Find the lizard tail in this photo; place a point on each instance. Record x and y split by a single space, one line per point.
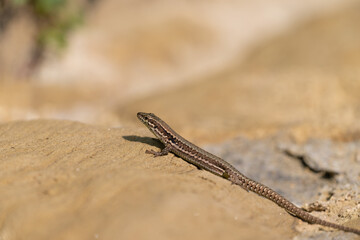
315 220
288 206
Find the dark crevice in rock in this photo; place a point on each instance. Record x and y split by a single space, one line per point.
325 174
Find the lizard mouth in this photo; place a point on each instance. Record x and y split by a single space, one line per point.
142 116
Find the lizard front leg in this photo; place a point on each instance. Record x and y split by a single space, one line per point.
163 152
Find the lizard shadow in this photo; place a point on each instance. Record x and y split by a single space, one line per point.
147 140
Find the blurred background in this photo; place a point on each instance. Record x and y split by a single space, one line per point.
228 66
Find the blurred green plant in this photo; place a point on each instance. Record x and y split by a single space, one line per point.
54 20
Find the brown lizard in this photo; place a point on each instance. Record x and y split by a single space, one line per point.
199 157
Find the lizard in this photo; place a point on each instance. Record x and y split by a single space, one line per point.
197 156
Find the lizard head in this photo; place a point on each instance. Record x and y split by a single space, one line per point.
157 126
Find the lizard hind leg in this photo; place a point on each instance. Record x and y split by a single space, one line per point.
235 180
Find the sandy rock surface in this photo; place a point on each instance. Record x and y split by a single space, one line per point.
67 180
